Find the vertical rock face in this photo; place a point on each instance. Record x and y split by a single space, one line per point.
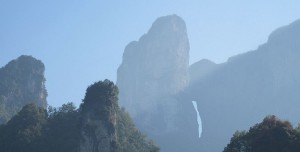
153 70
99 118
107 128
22 82
250 86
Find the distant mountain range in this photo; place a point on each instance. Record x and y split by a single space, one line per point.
250 86
157 86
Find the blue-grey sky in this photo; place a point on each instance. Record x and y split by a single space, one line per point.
81 42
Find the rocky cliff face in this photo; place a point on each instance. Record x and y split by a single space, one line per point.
107 128
153 70
231 96
99 118
22 82
250 86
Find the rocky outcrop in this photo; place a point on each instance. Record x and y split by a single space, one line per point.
99 125
22 82
107 128
99 118
153 70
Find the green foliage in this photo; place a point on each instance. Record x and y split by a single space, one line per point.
4 114
21 82
101 105
62 132
297 128
23 131
271 135
101 102
98 120
131 139
238 143
102 94
34 129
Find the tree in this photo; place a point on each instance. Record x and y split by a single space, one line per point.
271 134
24 130
102 94
109 127
62 132
60 129
130 139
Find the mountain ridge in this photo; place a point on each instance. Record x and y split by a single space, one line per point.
260 82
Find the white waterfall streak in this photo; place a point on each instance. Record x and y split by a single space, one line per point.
198 117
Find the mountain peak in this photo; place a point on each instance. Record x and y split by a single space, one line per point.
168 23
161 54
201 69
22 81
153 70
286 34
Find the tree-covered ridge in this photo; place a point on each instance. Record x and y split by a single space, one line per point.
99 118
271 135
22 82
61 129
34 129
106 127
62 132
23 131
130 139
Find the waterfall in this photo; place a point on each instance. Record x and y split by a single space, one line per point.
198 118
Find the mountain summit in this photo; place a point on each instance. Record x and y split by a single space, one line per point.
153 71
22 82
155 67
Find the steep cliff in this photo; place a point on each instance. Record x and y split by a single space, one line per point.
22 82
250 86
107 128
154 75
153 70
99 118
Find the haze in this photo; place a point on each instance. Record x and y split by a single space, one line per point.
81 42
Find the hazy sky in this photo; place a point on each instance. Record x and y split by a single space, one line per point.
81 42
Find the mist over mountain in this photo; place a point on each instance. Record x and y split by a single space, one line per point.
157 87
201 69
153 72
22 82
154 69
250 86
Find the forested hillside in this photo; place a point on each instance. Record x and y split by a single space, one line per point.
76 130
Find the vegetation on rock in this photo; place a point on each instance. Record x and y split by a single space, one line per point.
22 82
61 129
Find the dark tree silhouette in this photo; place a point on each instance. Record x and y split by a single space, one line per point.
271 134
